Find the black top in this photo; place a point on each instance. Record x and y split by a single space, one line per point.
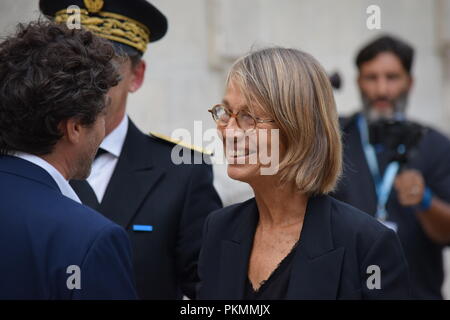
356 187
338 249
276 286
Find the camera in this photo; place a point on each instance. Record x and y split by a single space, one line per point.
399 137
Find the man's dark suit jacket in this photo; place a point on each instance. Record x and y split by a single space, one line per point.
148 188
337 245
43 233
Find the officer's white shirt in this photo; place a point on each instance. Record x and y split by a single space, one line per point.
62 183
103 167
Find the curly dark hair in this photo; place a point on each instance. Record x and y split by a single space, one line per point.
48 74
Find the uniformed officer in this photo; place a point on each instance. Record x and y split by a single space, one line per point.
134 181
395 169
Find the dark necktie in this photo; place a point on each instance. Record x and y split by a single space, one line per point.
84 190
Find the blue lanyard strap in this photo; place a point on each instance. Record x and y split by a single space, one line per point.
383 185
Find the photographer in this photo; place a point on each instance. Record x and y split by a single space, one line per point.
395 169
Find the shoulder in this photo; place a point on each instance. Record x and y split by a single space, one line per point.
44 214
79 214
76 220
370 246
165 151
351 225
172 142
180 153
353 218
345 219
54 214
42 205
435 140
433 153
86 235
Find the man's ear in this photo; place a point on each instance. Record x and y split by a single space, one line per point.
138 76
71 129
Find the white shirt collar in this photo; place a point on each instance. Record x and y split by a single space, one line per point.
62 183
114 141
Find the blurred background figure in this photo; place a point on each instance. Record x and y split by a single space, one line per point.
187 69
134 180
398 170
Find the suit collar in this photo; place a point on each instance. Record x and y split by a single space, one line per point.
27 169
62 183
133 178
316 264
134 156
245 231
317 217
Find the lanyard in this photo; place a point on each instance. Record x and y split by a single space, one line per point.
383 185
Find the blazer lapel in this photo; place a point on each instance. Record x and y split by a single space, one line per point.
132 180
316 278
317 264
235 255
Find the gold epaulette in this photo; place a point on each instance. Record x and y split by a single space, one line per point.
180 143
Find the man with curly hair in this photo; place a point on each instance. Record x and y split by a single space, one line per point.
53 85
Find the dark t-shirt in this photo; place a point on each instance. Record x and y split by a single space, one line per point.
356 187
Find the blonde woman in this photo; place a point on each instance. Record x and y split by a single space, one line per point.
291 241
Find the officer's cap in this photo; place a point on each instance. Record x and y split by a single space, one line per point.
130 23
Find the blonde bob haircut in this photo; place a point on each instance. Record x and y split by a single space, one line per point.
293 89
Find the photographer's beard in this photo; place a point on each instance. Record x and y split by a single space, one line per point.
396 110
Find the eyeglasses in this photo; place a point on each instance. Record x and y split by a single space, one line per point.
222 115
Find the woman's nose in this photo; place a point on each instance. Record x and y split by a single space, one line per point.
232 130
232 124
